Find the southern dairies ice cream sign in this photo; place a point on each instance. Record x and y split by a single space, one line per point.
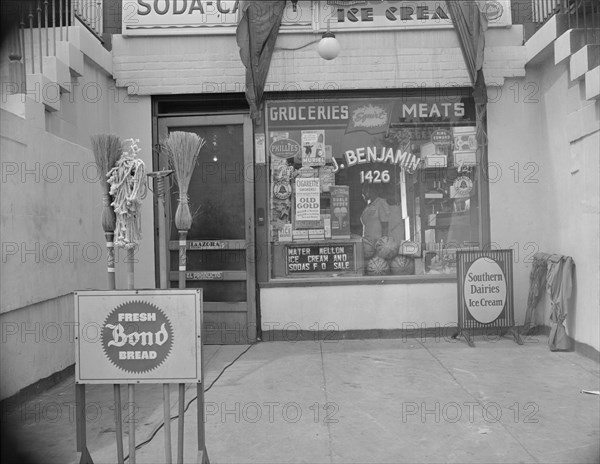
138 336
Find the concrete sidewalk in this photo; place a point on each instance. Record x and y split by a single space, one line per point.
351 401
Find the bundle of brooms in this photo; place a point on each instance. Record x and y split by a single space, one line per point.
107 150
182 149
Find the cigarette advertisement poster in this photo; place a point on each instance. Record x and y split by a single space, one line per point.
308 199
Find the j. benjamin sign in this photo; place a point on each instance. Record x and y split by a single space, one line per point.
144 336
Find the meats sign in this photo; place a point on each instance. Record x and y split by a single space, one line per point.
143 336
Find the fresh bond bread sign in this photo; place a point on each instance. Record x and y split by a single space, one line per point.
141 336
137 336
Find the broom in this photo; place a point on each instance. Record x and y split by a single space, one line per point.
182 149
107 150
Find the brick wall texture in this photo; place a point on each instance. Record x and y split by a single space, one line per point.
368 60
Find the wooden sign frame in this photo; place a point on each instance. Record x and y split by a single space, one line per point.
161 330
485 296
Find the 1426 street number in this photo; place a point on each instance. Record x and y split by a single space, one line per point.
375 177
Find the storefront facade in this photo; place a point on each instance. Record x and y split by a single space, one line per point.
379 142
286 220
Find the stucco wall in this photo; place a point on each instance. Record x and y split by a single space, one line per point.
50 210
570 127
544 176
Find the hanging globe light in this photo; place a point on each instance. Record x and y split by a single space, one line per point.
328 47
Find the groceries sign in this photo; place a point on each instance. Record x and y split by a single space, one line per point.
182 17
145 336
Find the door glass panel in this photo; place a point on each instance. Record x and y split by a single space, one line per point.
216 190
217 203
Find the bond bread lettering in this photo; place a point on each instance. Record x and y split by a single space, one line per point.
137 336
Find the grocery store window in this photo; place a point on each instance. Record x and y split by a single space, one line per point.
372 186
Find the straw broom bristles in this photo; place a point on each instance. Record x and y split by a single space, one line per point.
107 150
182 149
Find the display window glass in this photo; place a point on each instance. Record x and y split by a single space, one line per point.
372 186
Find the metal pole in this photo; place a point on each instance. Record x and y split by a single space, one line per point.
39 25
46 27
31 37
23 77
54 26
60 18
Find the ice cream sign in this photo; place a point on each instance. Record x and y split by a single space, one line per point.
485 290
143 336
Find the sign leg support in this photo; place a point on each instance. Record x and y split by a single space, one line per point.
81 425
118 423
180 423
131 419
468 339
167 421
202 453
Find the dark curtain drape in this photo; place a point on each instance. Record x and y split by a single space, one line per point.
256 35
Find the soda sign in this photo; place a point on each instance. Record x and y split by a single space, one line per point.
143 336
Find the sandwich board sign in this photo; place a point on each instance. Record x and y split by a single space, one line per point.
138 336
485 292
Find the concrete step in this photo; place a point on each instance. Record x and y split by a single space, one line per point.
42 90
582 61
567 44
592 83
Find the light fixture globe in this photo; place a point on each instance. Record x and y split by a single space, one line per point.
328 47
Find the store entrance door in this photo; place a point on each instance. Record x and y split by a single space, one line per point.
220 257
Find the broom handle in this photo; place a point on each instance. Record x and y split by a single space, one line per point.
182 257
110 259
162 262
131 387
130 268
182 269
110 262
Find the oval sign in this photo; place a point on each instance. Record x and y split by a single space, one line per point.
485 290
441 137
285 148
